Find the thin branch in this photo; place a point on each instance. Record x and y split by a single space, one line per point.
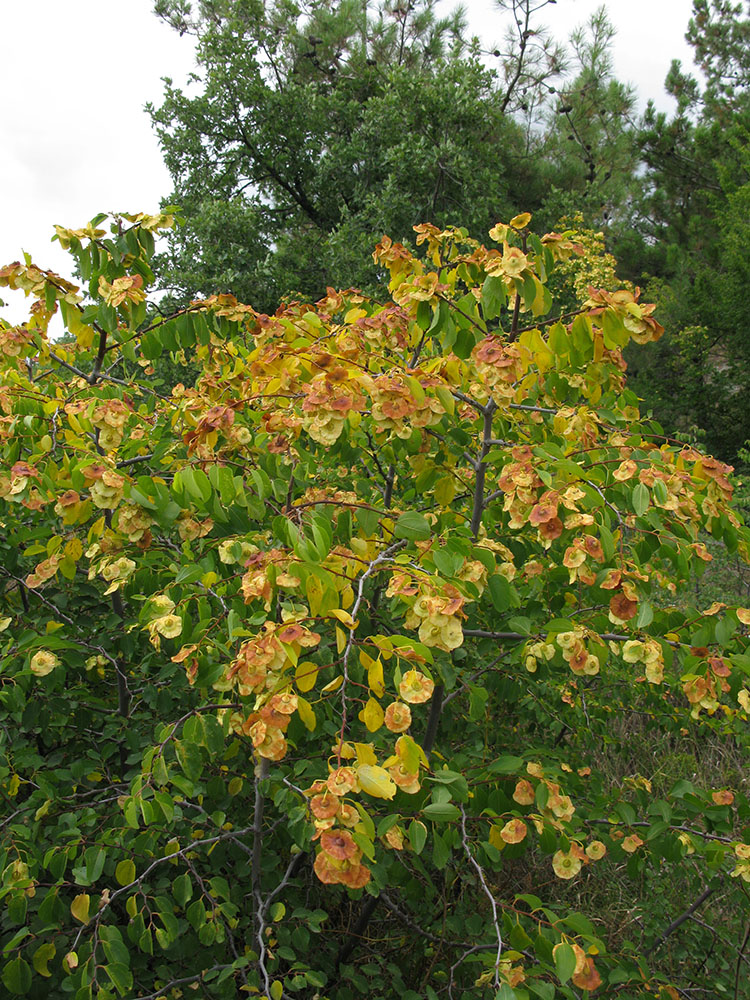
478 868
679 921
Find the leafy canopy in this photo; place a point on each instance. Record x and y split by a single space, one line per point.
310 671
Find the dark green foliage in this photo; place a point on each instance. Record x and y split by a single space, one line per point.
314 134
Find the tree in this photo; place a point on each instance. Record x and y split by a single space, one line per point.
319 127
341 672
590 140
697 168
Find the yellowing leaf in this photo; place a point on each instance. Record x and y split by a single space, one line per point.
80 907
365 754
314 592
44 954
43 809
125 872
375 679
445 490
372 715
341 640
74 549
277 989
521 221
305 712
306 675
347 597
344 617
332 685
376 781
495 839
744 615
70 961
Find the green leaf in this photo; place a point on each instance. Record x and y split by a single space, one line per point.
182 889
640 499
189 758
441 812
17 977
441 852
506 765
413 526
565 962
500 592
506 992
417 835
121 977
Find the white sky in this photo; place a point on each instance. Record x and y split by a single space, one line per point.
76 74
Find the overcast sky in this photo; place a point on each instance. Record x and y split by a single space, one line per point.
76 74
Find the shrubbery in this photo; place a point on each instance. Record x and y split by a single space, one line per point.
336 674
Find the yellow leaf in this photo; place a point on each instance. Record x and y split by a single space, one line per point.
495 839
372 715
306 675
70 961
364 658
344 617
341 640
80 907
305 712
332 685
4 623
365 754
376 781
51 627
74 549
521 221
347 597
314 591
375 679
277 989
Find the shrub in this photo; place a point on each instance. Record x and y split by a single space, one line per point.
332 674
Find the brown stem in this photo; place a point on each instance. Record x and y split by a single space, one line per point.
481 468
94 376
678 921
123 691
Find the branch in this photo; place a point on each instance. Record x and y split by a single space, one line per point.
481 468
708 891
478 868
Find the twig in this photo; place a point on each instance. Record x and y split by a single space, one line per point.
679 921
478 868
